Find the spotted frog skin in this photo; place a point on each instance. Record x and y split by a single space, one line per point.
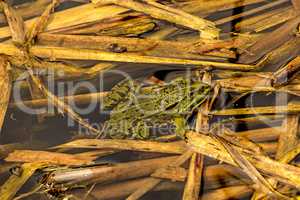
136 109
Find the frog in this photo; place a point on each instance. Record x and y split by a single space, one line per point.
135 109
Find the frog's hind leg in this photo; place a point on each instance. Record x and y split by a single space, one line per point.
114 130
180 126
141 130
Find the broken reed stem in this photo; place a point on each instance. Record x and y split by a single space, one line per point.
15 23
290 108
233 192
193 183
212 175
149 185
123 189
250 12
146 46
28 9
152 182
208 146
84 14
88 54
5 85
9 189
162 147
133 145
110 173
162 12
287 141
41 23
76 99
287 73
54 158
263 45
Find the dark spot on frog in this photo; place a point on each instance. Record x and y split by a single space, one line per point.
116 48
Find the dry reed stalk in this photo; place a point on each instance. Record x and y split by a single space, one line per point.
145 46
38 27
287 73
280 56
5 85
193 183
205 8
287 141
263 45
9 189
29 156
133 145
212 176
77 99
261 184
84 14
119 25
55 53
110 173
268 20
250 12
171 173
288 138
153 182
28 9
208 146
15 23
262 134
159 11
41 22
123 189
289 108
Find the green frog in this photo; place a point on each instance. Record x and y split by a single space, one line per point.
136 109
